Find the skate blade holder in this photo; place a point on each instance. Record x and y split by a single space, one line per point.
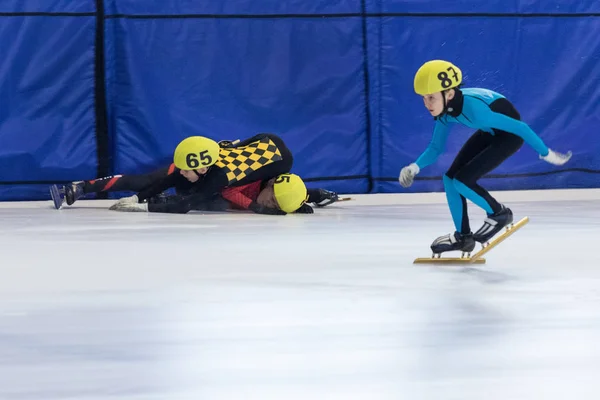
329 201
465 258
507 232
477 257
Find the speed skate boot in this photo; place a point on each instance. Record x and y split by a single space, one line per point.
73 192
493 224
325 198
452 242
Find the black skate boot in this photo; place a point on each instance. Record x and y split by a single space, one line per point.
452 242
73 192
493 224
326 198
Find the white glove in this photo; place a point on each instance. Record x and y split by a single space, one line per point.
407 175
556 158
130 207
125 200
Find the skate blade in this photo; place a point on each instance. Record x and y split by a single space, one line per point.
508 231
325 204
56 198
449 260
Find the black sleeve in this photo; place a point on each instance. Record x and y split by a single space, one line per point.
178 206
305 209
213 183
160 186
257 208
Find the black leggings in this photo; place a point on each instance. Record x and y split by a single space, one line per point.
481 154
136 183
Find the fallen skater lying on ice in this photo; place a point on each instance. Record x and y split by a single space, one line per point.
209 176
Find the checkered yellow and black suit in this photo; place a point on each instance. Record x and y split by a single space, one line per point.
241 162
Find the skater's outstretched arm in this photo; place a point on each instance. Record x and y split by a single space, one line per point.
482 113
436 146
211 185
429 156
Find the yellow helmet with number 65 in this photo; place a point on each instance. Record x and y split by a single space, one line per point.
290 192
196 152
436 76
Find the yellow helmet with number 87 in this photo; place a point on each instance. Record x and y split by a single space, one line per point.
196 152
436 76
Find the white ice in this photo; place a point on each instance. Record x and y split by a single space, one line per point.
99 305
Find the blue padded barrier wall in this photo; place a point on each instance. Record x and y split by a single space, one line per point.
548 66
519 8
332 77
47 124
177 74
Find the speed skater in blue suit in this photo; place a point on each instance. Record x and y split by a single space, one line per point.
500 133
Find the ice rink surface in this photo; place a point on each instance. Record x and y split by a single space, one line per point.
99 305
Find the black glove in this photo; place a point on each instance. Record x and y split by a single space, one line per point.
305 209
257 208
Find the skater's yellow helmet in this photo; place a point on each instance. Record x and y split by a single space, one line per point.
196 152
436 76
290 192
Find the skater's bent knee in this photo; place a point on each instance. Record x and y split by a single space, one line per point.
465 177
447 180
453 171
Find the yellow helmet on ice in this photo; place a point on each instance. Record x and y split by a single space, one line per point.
196 152
436 76
290 192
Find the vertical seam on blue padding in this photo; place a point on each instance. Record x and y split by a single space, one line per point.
379 86
102 140
367 90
